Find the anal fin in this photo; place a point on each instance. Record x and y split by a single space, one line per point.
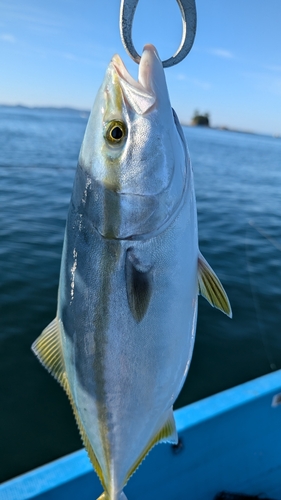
167 434
211 288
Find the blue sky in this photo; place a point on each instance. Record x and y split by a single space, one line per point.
55 52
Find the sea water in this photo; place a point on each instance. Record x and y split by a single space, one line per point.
238 190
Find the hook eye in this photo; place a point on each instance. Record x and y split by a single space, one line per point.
188 13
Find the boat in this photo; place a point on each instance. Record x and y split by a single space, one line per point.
229 446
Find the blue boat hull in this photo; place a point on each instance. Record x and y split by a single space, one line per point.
229 442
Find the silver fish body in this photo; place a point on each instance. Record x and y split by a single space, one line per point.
122 341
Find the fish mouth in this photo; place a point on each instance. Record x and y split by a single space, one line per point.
141 93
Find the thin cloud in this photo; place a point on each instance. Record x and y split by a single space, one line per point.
266 81
33 18
84 60
223 53
275 86
198 83
7 37
70 57
275 68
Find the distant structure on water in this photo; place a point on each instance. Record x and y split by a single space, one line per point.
200 120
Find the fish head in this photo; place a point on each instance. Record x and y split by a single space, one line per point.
132 154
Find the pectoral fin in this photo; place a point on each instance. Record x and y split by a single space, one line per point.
139 286
211 288
167 434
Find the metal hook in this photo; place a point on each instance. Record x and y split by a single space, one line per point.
188 13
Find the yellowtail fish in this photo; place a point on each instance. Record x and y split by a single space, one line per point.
122 340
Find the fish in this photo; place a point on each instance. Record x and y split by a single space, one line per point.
131 271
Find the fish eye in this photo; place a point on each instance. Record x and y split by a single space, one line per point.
115 132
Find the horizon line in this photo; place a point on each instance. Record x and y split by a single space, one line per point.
183 122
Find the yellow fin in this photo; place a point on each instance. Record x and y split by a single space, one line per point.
167 434
49 352
211 288
105 496
84 436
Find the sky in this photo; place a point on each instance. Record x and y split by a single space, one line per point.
55 53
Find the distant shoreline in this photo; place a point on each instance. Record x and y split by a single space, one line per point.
223 128
46 108
183 123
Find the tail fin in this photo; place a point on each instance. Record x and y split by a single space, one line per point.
119 496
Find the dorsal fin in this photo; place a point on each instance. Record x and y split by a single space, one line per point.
49 352
84 437
211 288
139 286
167 434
